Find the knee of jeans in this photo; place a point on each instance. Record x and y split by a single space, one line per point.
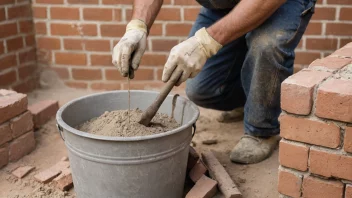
196 94
268 45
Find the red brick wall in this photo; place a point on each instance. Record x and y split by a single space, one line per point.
75 38
17 46
316 150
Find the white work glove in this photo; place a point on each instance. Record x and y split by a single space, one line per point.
188 58
128 52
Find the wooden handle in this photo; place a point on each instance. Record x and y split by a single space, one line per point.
150 112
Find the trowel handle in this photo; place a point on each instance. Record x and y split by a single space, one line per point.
150 112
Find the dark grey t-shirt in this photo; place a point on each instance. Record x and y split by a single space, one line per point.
218 4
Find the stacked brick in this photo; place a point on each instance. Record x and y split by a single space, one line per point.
17 46
78 43
316 125
16 127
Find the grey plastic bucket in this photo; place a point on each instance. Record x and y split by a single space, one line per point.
151 166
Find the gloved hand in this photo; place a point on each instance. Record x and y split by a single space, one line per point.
129 50
190 56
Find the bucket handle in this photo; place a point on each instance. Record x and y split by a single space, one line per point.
194 129
61 130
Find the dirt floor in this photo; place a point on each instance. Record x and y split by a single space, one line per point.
255 181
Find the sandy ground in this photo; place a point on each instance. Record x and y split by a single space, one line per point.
255 181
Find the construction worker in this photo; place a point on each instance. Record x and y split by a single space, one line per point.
237 55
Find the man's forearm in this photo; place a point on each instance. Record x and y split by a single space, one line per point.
246 16
146 10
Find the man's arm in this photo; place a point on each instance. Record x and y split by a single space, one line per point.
146 10
246 16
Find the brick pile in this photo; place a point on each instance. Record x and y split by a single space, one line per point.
17 46
77 44
316 125
16 127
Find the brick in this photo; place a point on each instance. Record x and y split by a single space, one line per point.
30 40
301 87
289 184
4 155
26 26
333 98
348 140
48 43
169 14
97 14
185 2
193 158
27 71
348 193
14 44
27 85
39 12
190 14
305 58
2 48
117 15
178 29
101 60
347 52
330 164
333 63
74 44
112 30
61 72
204 188
22 171
324 13
197 171
77 85
5 133
86 74
69 58
115 2
105 86
64 13
21 124
4 2
338 29
341 2
293 155
47 176
7 30
21 146
64 181
73 29
345 14
11 104
8 61
43 111
40 28
163 44
314 29
314 187
50 1
321 44
8 78
83 2
113 74
2 14
21 11
97 45
144 74
153 60
310 131
28 56
345 41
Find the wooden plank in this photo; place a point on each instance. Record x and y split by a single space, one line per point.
227 187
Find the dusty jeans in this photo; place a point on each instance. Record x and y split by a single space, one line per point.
248 71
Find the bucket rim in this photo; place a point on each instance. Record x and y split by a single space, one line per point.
70 129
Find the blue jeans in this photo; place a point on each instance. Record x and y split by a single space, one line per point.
249 71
